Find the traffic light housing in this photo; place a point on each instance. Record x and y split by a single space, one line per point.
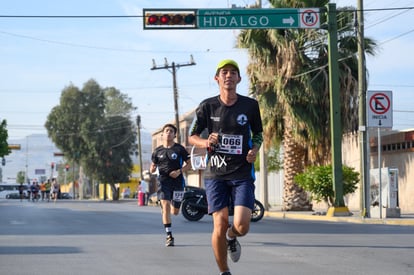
14 146
67 167
169 19
3 161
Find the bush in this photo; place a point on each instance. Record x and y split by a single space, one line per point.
317 180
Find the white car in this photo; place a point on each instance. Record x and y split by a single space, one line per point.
3 194
8 188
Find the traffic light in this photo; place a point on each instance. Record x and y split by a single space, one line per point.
67 167
52 165
169 19
3 161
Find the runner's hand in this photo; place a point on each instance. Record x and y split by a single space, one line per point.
251 155
174 174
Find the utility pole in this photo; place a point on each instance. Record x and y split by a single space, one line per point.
26 165
139 146
339 208
173 69
363 130
264 186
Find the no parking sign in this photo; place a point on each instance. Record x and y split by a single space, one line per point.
379 109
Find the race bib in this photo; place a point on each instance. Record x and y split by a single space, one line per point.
231 144
178 196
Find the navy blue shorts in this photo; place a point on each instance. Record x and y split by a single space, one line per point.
219 193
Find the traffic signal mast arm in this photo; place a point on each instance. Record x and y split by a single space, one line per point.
235 18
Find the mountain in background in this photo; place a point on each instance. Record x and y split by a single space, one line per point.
36 155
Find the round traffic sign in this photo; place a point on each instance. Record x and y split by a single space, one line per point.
309 18
379 103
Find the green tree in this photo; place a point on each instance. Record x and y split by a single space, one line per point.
113 143
318 181
92 121
115 162
117 104
20 177
289 76
4 146
64 123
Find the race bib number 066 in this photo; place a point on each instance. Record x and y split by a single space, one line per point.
231 144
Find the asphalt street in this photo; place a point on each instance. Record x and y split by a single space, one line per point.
95 237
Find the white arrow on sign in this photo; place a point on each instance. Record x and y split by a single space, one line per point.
289 21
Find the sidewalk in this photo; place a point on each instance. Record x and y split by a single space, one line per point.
316 215
405 219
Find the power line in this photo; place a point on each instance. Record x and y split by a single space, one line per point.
142 16
69 44
405 9
71 16
396 37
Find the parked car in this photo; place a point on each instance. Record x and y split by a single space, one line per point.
9 188
14 195
4 194
65 196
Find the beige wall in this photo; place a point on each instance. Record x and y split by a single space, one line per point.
396 157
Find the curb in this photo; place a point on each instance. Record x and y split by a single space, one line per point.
351 219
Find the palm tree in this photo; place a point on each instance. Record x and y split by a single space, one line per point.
288 73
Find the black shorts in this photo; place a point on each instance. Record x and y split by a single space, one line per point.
166 191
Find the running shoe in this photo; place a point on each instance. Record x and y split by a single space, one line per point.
225 273
169 241
234 249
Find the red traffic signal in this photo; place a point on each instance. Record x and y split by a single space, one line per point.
164 19
153 19
67 167
169 19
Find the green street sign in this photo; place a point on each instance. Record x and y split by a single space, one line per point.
258 18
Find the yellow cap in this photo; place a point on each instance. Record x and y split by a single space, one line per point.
225 62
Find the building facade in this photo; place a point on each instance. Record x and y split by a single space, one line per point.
397 151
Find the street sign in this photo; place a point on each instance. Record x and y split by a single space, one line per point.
379 109
40 171
258 18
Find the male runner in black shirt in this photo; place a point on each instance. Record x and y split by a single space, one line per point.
235 131
172 160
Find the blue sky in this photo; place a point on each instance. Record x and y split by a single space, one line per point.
40 57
